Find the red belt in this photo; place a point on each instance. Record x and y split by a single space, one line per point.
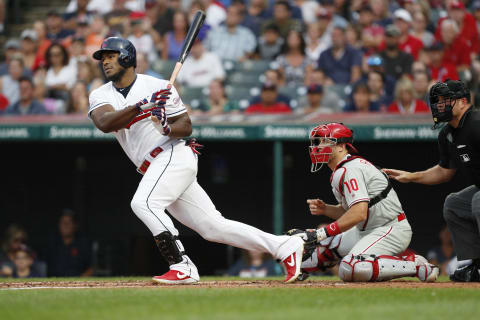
401 217
146 163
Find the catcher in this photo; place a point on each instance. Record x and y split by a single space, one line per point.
370 230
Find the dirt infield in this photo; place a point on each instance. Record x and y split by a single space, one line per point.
229 284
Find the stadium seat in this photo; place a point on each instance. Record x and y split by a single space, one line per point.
242 79
189 94
237 93
163 67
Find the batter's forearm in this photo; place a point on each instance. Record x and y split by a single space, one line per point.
180 128
116 120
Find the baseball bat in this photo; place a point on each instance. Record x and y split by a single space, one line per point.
188 43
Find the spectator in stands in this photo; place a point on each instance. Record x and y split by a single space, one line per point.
253 264
255 15
269 103
378 94
309 10
27 105
78 102
293 62
405 101
28 45
334 9
456 51
340 62
315 101
173 40
270 43
420 31
12 48
15 237
143 67
325 26
396 62
77 51
81 13
2 16
467 28
275 77
9 83
201 67
361 100
313 39
144 37
215 13
23 260
217 101
52 105
421 83
60 74
42 44
55 29
406 41
444 253
96 33
231 41
161 15
69 253
440 70
476 12
381 13
282 18
371 33
118 18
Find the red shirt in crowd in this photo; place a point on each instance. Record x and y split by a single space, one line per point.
418 106
444 72
412 45
278 107
469 32
457 53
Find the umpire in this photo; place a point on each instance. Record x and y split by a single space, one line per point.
459 148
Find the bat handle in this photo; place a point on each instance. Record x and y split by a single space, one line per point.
175 72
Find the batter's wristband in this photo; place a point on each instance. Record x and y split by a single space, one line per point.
332 229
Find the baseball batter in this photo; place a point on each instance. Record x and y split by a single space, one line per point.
149 120
370 228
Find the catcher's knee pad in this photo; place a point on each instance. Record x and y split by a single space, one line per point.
170 247
361 267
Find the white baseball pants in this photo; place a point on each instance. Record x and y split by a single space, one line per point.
170 183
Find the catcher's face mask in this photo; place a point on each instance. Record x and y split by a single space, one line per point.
321 148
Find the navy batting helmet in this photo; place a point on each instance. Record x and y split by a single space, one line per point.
127 54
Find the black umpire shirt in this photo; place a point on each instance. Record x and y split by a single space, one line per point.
460 147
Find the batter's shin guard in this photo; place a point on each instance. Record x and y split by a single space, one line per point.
167 244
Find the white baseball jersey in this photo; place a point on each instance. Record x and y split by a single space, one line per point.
142 136
358 180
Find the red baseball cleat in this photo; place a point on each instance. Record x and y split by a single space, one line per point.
292 264
174 277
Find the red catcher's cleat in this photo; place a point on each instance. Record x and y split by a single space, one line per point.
292 265
174 277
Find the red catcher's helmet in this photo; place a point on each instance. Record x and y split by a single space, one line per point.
323 138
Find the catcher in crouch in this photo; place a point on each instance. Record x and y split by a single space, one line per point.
370 230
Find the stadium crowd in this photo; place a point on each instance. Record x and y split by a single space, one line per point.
260 56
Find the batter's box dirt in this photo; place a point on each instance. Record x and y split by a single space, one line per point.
229 284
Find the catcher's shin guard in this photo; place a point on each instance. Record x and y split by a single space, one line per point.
366 267
170 247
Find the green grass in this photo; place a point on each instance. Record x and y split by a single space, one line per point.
240 303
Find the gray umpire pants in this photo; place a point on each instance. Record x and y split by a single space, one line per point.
462 214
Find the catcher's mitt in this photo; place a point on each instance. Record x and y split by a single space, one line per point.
310 238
